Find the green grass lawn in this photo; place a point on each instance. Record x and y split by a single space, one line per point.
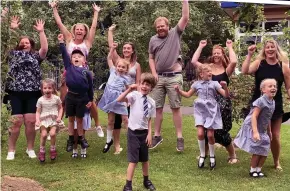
169 170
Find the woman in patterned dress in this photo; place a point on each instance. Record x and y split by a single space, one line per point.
23 85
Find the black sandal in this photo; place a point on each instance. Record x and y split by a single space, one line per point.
212 164
107 146
202 164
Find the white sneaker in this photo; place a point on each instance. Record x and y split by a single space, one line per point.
100 131
10 156
48 138
31 154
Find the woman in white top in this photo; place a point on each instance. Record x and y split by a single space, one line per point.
134 72
80 37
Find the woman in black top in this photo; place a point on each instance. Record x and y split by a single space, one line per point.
222 69
272 62
23 84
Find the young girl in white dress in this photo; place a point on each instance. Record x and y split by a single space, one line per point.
48 117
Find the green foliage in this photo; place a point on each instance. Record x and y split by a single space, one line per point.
135 24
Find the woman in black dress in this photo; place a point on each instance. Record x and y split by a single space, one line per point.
272 62
222 68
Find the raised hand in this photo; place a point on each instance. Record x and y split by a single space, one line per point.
60 37
96 7
112 27
115 45
229 43
39 25
251 49
133 87
4 12
15 22
53 4
202 43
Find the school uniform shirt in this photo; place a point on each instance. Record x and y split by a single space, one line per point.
137 120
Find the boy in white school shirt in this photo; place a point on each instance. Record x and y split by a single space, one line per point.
139 138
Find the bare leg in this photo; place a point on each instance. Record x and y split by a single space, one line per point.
43 136
145 168
275 143
261 162
177 120
116 135
158 121
29 121
255 161
80 126
210 136
94 114
71 121
14 131
52 134
130 171
232 153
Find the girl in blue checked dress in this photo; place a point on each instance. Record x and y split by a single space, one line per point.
117 82
206 110
255 134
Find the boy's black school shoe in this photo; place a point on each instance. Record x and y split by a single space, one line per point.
149 185
127 188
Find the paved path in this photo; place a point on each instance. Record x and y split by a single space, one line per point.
189 111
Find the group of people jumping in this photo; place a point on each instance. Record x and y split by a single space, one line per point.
35 103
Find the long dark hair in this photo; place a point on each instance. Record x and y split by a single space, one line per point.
32 44
133 58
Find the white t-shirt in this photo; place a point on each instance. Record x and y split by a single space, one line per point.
137 121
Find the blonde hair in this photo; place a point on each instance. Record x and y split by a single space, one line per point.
280 54
202 68
87 29
225 58
149 78
161 19
264 82
122 60
50 82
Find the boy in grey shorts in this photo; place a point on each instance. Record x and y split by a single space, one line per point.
139 138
